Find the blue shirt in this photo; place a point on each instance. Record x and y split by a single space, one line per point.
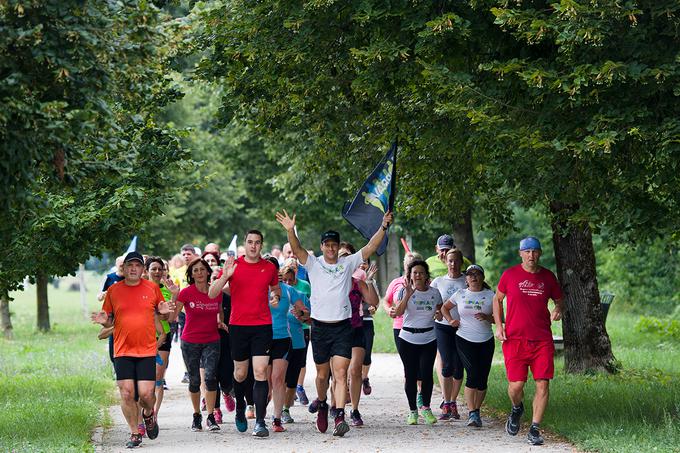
297 336
302 273
288 298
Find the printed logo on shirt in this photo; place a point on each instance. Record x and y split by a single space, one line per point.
424 304
203 305
532 288
334 271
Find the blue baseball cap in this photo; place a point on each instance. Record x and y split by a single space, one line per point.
529 243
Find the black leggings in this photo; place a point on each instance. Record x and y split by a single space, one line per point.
446 345
418 360
369 334
296 358
225 368
476 358
197 354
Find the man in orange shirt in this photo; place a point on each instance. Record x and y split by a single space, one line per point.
129 307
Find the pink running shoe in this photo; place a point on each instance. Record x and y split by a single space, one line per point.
229 402
141 428
218 415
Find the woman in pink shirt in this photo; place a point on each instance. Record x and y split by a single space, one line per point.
200 338
392 290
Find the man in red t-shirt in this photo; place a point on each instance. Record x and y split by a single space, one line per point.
129 307
526 336
251 282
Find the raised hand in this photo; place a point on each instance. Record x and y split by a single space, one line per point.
171 285
370 273
388 218
229 267
285 220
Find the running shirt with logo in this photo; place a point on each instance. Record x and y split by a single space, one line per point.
249 287
297 336
289 296
447 287
202 315
331 284
392 290
419 314
469 303
527 316
133 309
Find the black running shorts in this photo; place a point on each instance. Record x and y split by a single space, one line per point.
279 350
250 341
330 339
135 368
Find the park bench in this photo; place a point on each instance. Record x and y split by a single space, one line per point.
606 299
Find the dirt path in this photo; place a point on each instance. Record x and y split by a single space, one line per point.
384 413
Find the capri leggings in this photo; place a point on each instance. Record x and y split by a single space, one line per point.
225 369
296 358
369 334
197 354
418 360
446 345
476 358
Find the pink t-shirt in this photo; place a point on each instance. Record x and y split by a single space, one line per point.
527 316
202 315
392 290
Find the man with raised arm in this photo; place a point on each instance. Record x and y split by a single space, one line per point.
526 335
331 281
129 306
254 285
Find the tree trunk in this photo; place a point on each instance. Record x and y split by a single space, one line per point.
5 319
464 237
586 343
43 307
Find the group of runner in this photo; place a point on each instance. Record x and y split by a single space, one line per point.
248 323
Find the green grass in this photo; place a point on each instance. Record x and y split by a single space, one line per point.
54 386
635 410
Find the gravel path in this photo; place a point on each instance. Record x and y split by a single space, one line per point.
384 413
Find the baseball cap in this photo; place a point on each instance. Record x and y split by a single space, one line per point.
529 243
445 242
133 256
474 267
330 235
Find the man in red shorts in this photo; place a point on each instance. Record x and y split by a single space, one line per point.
129 307
526 336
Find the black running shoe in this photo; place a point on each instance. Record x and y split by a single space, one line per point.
512 425
196 425
135 440
211 424
534 436
150 425
260 430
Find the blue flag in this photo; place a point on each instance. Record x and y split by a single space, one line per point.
374 199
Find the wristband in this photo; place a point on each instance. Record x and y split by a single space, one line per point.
384 228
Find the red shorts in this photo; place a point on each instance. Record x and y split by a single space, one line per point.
520 355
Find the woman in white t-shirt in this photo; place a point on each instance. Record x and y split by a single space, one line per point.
449 366
475 340
418 302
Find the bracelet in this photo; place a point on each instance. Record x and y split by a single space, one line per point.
384 228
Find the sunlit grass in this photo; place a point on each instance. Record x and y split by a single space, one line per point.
55 386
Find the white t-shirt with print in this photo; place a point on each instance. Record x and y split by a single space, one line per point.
447 287
331 284
470 303
419 314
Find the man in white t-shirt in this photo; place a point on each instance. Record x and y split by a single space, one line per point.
331 336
